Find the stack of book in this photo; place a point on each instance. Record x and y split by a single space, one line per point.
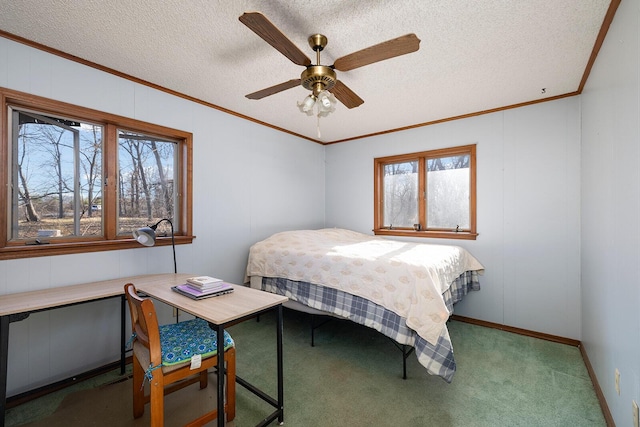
203 287
202 283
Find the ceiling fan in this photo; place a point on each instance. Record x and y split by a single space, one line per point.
318 78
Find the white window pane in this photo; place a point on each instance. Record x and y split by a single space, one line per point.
448 193
401 194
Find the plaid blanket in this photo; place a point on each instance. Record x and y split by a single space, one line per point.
437 359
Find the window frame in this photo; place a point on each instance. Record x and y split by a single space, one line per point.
110 240
378 210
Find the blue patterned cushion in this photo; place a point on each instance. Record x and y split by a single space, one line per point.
180 341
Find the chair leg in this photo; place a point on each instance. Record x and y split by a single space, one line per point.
138 392
156 401
230 356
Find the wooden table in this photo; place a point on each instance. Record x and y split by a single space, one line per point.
223 311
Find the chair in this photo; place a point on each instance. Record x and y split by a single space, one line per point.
168 371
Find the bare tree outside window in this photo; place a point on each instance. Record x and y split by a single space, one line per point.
56 177
79 180
146 187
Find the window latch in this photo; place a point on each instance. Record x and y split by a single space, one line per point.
37 242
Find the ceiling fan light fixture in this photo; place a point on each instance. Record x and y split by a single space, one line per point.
326 103
323 104
307 104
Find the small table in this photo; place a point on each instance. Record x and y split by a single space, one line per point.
221 312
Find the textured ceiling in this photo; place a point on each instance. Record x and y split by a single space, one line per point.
474 55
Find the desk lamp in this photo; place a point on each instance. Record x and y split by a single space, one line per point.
146 236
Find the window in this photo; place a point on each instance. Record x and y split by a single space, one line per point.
427 194
80 180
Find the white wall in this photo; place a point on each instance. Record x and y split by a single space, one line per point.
611 213
528 208
249 181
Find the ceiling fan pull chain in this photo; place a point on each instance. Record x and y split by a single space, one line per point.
318 126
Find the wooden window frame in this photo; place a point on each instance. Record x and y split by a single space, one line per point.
422 157
110 240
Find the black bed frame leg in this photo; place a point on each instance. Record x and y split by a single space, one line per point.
404 361
315 326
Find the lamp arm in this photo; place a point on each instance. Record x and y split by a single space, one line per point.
173 241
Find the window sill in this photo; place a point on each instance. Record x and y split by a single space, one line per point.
462 235
67 247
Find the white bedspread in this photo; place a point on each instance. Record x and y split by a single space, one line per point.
406 278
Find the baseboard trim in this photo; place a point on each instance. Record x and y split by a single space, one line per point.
554 338
603 403
526 332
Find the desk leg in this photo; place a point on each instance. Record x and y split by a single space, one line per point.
123 339
280 367
4 353
220 375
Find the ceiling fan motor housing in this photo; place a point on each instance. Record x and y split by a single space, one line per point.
318 78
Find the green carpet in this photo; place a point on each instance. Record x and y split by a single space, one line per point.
353 377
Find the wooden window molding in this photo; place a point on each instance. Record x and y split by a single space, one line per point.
11 248
419 162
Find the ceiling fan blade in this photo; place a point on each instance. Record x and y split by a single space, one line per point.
274 89
385 50
346 95
260 25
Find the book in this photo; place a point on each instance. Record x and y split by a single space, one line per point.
186 290
215 286
204 282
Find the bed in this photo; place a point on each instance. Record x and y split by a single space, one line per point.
404 290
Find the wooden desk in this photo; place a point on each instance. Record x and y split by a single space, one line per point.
224 311
18 306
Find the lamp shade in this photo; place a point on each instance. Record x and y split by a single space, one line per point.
306 106
326 103
146 236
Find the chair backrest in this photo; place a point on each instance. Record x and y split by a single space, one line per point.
144 322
